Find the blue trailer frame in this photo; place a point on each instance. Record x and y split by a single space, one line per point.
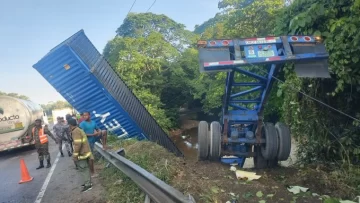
243 104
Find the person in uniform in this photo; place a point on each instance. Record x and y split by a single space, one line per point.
39 134
82 153
68 117
62 135
68 132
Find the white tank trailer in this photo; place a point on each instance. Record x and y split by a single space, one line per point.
17 117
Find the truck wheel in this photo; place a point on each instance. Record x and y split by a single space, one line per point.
215 141
32 147
259 160
203 140
283 133
269 150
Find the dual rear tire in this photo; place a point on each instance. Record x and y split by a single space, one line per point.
277 146
209 142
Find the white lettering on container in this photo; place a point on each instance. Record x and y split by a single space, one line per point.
103 116
112 125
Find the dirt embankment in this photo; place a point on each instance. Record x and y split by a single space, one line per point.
211 182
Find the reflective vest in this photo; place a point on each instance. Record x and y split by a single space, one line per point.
42 137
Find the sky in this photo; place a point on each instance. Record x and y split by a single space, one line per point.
30 28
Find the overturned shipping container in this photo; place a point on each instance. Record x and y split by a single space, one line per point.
86 80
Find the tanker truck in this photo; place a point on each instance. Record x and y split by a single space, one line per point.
17 117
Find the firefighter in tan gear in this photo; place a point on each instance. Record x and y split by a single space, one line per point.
81 154
39 134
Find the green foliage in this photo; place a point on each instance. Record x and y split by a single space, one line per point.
246 17
16 95
240 19
55 105
143 24
219 17
155 159
156 57
322 133
146 53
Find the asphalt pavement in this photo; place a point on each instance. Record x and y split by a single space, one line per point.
57 184
10 175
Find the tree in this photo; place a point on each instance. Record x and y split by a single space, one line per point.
219 18
239 19
55 105
324 134
248 18
16 95
143 24
145 56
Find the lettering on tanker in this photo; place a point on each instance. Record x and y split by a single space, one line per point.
9 118
110 125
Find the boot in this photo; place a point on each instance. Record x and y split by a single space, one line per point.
69 153
48 164
41 165
62 154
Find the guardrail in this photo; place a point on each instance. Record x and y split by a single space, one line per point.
155 189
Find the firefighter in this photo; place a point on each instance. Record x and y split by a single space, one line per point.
81 154
39 134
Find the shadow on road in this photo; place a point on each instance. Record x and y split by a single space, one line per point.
17 152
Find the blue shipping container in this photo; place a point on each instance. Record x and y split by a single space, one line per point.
86 80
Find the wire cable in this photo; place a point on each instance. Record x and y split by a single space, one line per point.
308 96
131 7
317 100
151 6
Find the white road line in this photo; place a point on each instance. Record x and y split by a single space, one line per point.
47 180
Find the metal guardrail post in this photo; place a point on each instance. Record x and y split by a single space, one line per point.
156 190
147 199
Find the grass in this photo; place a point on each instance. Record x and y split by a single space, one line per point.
151 157
211 182
341 180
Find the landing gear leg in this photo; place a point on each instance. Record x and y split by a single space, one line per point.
259 160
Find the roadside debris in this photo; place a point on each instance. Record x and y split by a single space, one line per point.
297 189
244 175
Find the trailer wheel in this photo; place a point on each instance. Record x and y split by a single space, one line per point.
259 160
203 140
215 141
269 150
32 147
283 133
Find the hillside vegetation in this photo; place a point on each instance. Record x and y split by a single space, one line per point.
157 57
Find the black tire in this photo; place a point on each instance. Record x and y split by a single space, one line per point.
32 147
259 160
269 150
215 141
284 137
203 140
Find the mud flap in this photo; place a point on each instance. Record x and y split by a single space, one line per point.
311 69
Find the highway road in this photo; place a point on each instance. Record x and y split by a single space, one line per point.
57 184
